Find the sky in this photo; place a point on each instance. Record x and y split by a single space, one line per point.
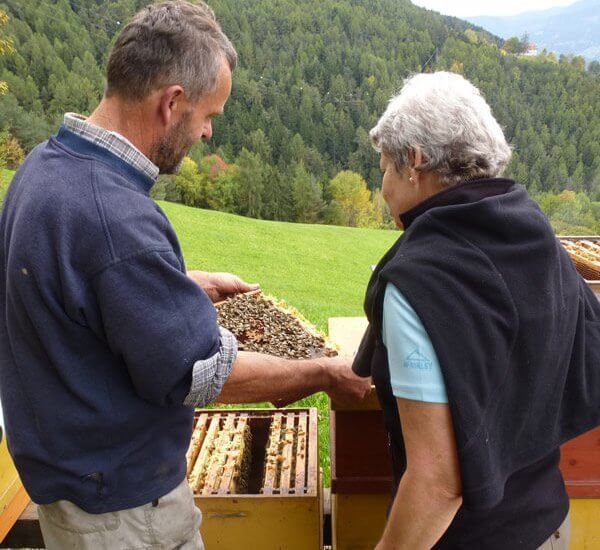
466 8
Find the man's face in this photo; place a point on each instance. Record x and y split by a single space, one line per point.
195 123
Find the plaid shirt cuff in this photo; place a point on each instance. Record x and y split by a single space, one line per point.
209 375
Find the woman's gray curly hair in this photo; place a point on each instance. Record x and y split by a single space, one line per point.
447 118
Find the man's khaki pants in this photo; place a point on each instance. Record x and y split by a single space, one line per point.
170 523
559 540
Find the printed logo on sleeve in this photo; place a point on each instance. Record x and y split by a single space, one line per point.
416 360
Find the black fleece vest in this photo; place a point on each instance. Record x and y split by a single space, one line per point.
517 334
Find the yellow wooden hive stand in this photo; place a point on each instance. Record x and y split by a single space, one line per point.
13 498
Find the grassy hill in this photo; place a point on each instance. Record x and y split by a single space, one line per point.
320 270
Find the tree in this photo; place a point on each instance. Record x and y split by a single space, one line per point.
594 68
312 82
382 211
350 191
249 184
6 46
165 189
220 191
190 183
11 153
513 45
308 196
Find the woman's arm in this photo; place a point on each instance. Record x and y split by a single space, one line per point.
429 494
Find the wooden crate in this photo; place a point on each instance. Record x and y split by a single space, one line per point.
279 511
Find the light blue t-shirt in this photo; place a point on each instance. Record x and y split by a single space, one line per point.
414 367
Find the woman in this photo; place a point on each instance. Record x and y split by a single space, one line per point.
484 342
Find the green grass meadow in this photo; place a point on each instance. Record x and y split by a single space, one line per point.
320 270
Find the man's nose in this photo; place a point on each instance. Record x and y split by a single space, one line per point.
207 132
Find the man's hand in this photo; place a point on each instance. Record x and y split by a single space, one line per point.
344 387
339 382
219 286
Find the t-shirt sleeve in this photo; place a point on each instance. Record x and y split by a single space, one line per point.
415 371
158 322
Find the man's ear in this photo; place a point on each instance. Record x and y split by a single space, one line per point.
171 106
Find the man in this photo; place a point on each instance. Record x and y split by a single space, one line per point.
105 344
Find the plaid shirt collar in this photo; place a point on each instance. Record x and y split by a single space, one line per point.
113 142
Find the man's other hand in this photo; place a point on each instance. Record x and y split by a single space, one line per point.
219 286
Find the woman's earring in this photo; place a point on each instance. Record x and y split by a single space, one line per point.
410 178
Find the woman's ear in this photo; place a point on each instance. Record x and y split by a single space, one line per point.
415 159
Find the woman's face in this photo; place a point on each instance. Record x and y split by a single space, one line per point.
398 191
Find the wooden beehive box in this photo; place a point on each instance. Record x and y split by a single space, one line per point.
585 255
361 471
281 506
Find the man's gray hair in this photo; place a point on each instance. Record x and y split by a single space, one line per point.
172 42
448 119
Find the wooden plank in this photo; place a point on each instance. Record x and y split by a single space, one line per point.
196 479
585 527
196 442
12 511
366 485
593 245
287 446
218 456
255 522
249 293
346 332
580 465
313 453
13 498
235 457
26 532
272 455
301 449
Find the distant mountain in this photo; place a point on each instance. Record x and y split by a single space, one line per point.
573 29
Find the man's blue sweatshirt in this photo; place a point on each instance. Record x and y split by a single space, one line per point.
99 330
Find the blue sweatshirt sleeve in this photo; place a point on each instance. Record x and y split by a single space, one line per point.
158 322
415 371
